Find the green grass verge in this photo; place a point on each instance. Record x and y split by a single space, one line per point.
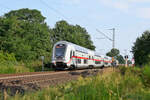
113 85
13 69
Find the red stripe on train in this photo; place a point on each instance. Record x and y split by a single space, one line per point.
87 59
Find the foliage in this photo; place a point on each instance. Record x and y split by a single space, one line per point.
145 75
120 59
109 86
75 34
8 64
13 69
129 62
141 49
26 15
24 33
116 53
7 59
142 73
36 66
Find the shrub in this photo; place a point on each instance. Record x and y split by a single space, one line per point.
7 59
13 69
122 69
146 75
8 64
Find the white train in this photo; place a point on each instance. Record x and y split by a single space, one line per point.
67 55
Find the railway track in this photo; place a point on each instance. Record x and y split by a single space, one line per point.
37 80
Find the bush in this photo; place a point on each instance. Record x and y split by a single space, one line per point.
146 75
122 69
7 59
36 66
8 64
13 69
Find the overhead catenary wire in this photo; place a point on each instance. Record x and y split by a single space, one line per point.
55 10
104 35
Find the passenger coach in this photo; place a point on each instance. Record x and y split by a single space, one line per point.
67 55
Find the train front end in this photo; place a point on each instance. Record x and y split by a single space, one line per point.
58 57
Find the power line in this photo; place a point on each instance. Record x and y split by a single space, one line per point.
104 35
113 38
100 38
55 10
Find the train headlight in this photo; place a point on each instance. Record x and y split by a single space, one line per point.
63 59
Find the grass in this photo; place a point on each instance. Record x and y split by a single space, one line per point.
9 64
10 68
122 84
13 69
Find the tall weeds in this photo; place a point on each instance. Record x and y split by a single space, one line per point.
109 86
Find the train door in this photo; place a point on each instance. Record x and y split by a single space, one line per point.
73 59
90 61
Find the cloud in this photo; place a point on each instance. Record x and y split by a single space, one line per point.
143 13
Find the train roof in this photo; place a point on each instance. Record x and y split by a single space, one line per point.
98 54
81 49
77 47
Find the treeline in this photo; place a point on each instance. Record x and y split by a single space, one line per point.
25 34
141 49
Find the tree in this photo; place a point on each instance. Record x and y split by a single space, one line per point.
26 14
141 49
24 33
120 59
116 53
75 34
129 62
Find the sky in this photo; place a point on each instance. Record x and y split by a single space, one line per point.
130 18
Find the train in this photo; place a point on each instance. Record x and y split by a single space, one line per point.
67 55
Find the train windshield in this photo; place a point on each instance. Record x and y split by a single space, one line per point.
60 50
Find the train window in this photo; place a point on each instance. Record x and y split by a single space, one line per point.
76 61
79 61
106 63
60 50
73 53
97 62
85 61
70 54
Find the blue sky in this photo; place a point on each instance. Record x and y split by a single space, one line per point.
130 17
